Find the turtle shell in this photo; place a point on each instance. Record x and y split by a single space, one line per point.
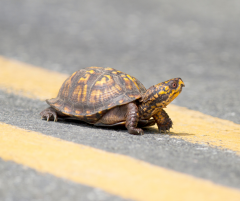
89 93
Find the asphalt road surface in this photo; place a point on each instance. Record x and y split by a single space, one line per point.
152 40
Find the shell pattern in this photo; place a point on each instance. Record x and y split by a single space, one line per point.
89 93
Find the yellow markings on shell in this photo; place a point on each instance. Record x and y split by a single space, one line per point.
83 80
79 116
65 90
133 80
134 96
108 68
118 87
73 75
121 101
110 80
95 94
78 112
89 116
95 67
128 83
108 76
156 95
114 90
91 71
106 95
84 93
67 109
77 93
57 105
101 82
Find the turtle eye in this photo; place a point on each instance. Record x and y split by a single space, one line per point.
174 85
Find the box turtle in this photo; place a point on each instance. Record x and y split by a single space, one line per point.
108 97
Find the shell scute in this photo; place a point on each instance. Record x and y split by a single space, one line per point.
89 93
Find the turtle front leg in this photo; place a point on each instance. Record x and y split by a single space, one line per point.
49 114
163 121
132 118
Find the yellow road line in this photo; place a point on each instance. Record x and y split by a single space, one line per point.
28 80
196 127
114 173
189 125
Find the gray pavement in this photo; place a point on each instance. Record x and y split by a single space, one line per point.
20 183
152 40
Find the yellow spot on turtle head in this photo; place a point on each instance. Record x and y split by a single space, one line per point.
159 104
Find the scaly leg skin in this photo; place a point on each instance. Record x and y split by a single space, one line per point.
49 114
132 118
163 121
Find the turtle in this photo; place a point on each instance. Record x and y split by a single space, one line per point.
108 97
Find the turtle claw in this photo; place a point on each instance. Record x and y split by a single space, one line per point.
49 114
164 128
135 131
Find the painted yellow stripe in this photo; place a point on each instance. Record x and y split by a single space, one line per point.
196 127
116 174
29 81
189 125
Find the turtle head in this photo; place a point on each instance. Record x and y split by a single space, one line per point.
167 91
160 95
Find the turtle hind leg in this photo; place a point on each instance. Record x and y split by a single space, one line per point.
132 118
49 114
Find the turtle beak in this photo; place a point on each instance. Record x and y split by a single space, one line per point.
181 82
